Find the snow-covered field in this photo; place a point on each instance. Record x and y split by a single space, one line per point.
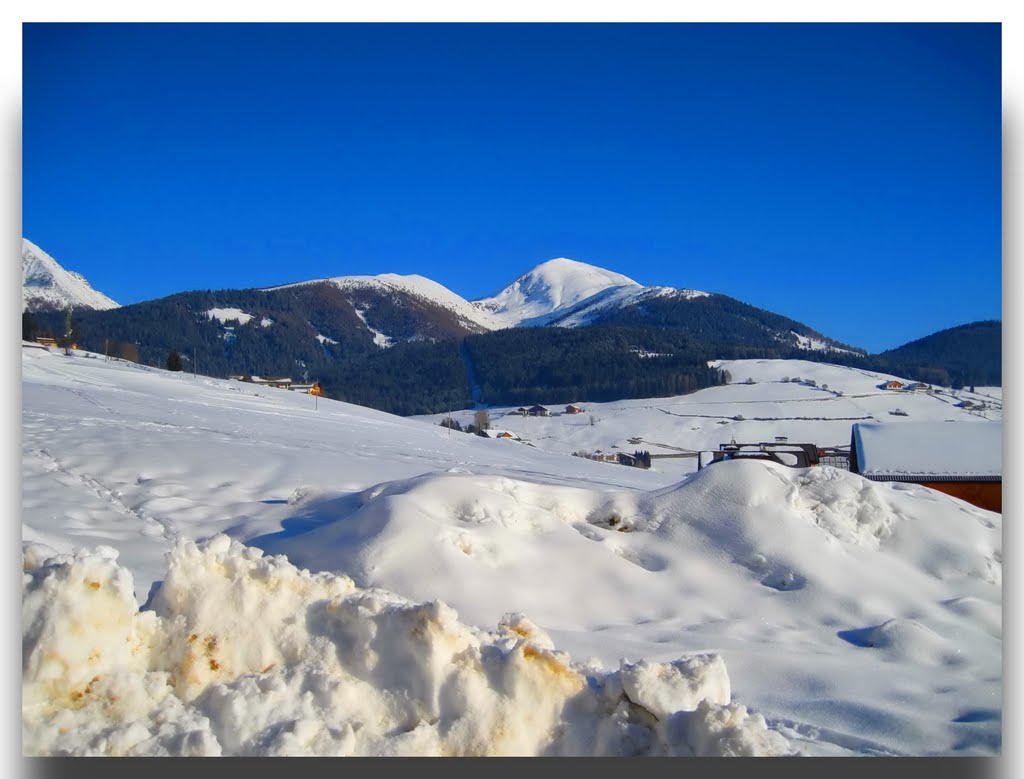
821 414
219 568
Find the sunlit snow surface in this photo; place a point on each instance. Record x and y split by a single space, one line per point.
370 585
224 315
47 284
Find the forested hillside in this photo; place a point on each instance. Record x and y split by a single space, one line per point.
321 332
557 365
717 319
969 354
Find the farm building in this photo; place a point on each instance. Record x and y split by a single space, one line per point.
539 411
572 408
313 388
506 434
893 385
280 382
963 459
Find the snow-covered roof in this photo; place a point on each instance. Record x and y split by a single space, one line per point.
925 449
492 433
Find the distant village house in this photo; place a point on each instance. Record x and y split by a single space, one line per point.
506 434
281 382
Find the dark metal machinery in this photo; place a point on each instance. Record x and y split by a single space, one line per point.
781 452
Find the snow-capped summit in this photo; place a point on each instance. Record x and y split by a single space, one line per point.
418 287
46 285
551 290
425 288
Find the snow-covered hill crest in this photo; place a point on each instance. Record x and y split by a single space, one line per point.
552 289
423 287
46 285
472 318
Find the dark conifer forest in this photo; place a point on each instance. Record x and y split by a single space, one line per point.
437 363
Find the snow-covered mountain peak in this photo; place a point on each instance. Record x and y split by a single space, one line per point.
418 286
47 285
551 289
568 275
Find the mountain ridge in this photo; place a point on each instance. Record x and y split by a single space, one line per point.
407 344
567 293
47 285
560 292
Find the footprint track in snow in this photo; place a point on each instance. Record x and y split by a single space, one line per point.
101 491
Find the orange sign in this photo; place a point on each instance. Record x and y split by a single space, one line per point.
315 389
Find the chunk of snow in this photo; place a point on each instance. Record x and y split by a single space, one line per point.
244 654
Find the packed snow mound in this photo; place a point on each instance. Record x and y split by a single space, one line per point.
796 520
743 531
47 285
857 618
245 654
498 532
902 638
552 288
760 496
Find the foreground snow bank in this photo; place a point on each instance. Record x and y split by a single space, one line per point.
245 654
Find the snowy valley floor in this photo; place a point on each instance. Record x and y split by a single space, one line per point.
217 568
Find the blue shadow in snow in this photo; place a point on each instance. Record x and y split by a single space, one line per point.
980 715
308 516
860 637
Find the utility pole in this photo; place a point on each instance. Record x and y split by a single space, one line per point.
194 369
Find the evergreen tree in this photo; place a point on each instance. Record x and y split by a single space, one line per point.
174 361
28 327
70 338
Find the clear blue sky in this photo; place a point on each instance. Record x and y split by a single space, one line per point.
845 175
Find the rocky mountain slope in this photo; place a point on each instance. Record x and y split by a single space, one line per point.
47 286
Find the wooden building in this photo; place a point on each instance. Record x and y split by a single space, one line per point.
962 459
